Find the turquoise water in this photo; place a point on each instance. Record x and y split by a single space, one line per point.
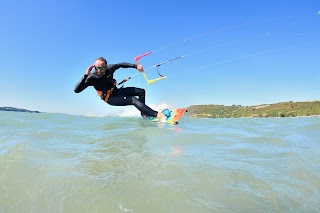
64 163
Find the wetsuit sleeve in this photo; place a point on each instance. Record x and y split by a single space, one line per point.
82 84
114 67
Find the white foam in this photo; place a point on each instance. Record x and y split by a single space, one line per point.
131 111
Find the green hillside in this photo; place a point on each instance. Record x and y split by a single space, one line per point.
283 109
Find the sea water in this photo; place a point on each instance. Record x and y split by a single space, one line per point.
67 163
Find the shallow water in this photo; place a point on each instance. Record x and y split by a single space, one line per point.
65 163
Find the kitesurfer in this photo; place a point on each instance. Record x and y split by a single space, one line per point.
102 80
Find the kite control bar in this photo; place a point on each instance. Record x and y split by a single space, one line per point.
137 58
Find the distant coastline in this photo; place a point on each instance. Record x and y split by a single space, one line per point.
13 109
282 109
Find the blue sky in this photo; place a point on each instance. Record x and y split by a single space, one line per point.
236 52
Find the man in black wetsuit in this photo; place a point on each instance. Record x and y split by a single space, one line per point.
102 80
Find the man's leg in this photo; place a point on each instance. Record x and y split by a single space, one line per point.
126 97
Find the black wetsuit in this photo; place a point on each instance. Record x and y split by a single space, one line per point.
118 97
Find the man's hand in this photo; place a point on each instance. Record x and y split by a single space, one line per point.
140 68
89 69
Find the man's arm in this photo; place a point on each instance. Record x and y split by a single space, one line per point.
82 84
114 67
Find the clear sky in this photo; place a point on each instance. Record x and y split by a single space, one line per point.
245 52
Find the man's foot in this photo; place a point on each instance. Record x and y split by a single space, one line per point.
167 112
164 115
161 117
